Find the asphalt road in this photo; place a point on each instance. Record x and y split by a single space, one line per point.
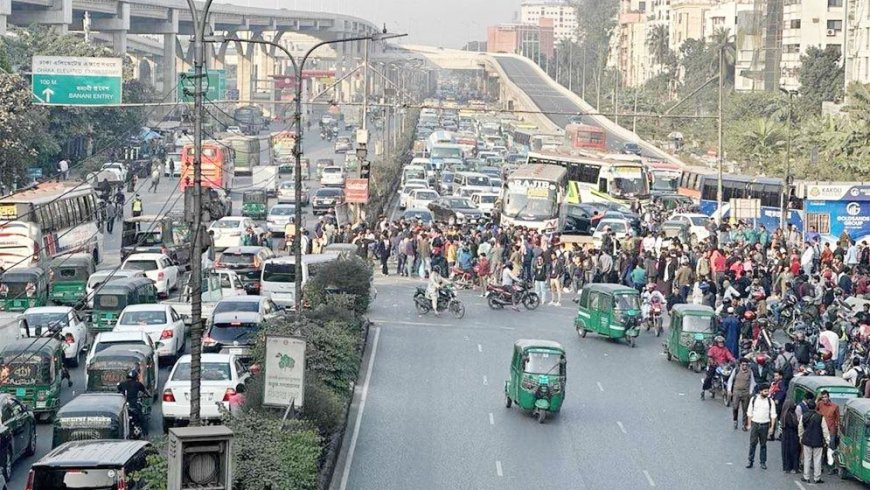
153 204
429 411
549 99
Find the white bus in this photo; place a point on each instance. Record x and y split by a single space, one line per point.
49 220
532 196
598 179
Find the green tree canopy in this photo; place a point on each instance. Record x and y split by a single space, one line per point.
821 78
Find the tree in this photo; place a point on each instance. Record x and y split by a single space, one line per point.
658 43
722 40
821 78
23 127
762 142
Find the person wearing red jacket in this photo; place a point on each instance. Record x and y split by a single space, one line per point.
717 355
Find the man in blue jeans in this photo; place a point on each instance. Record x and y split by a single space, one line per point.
762 417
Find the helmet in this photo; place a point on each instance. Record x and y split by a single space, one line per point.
704 286
826 354
133 374
749 315
719 339
760 359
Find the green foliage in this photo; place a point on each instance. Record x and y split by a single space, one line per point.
156 472
821 77
348 275
323 406
22 129
269 456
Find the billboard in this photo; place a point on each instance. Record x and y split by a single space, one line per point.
284 371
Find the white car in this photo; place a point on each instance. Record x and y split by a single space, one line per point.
332 176
234 129
405 193
423 182
100 277
278 217
40 319
485 201
157 267
221 375
619 227
231 283
696 222
104 340
163 325
287 193
228 231
176 169
420 198
118 168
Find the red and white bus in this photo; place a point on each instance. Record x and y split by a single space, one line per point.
584 136
218 165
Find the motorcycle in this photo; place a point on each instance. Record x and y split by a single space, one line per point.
654 318
720 383
498 297
447 301
464 279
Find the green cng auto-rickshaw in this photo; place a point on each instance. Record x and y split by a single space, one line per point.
112 297
32 371
853 453
537 381
23 288
254 204
838 388
69 278
110 366
92 416
611 310
691 330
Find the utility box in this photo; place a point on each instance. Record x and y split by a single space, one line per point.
200 458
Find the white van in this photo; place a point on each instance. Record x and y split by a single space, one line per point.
413 172
278 276
470 182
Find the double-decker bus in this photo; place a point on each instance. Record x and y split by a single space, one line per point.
247 153
218 165
49 220
598 180
532 196
584 136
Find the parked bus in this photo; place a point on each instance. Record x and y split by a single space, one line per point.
532 196
584 136
218 165
598 180
664 177
834 207
767 190
52 219
247 153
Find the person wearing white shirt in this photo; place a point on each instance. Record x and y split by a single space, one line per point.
762 416
830 341
807 259
851 258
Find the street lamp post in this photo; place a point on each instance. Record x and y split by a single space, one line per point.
297 147
786 186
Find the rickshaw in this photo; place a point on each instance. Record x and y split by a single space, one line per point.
611 310
853 452
691 332
839 389
537 382
254 204
69 278
92 416
32 371
112 297
23 288
110 366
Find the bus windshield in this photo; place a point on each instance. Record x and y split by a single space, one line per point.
530 203
629 182
664 181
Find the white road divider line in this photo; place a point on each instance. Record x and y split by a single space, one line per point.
621 427
649 478
498 470
491 419
479 348
600 388
796 482
362 405
485 381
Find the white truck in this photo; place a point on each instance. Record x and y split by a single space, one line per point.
265 177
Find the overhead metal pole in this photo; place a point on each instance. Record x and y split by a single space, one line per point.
721 148
786 186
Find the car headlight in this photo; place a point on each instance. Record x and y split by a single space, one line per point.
460 215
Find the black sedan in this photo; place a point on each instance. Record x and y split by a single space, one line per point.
326 198
457 210
17 432
577 219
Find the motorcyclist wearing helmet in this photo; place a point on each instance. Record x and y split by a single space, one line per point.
803 349
649 297
763 339
132 389
717 355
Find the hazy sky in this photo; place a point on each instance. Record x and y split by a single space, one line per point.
448 23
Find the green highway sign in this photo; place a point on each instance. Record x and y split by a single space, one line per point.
214 84
69 80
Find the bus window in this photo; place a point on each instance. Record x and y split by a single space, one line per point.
710 190
602 185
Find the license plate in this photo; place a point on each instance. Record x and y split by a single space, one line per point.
20 392
40 404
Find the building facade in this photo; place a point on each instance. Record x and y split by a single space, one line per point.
562 13
808 23
534 41
857 57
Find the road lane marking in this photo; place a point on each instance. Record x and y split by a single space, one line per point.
485 382
649 478
799 485
498 468
491 419
621 427
362 405
600 388
479 348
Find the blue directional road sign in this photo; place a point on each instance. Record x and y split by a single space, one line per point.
68 80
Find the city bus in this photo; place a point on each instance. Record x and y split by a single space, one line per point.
664 177
598 180
584 136
766 189
218 165
835 207
49 220
532 196
247 153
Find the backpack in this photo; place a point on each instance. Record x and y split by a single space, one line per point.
787 369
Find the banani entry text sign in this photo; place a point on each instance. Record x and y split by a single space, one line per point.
69 80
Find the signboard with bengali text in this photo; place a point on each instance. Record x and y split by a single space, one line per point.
71 80
356 191
284 371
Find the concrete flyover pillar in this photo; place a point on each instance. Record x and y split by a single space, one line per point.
58 14
117 24
245 66
170 65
